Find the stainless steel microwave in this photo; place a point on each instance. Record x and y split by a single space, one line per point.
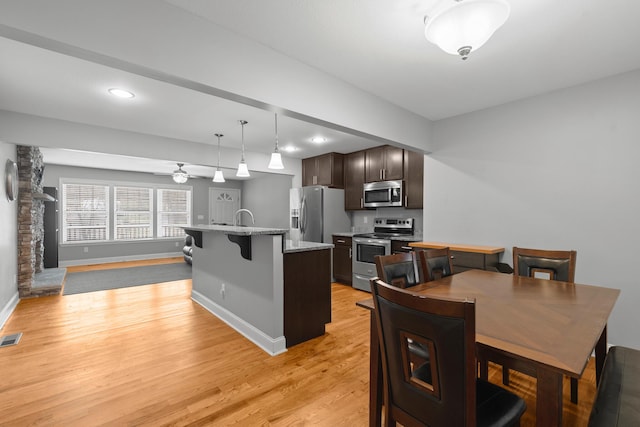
382 194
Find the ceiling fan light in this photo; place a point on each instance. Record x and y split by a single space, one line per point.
243 171
465 25
276 161
179 175
218 176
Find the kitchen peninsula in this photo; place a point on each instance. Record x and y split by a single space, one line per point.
274 292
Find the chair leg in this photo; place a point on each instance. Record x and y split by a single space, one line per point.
574 390
505 375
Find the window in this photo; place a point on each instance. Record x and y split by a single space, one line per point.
174 212
133 213
85 213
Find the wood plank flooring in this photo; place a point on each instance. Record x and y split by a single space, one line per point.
149 356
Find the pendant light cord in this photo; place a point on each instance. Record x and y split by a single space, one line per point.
276 150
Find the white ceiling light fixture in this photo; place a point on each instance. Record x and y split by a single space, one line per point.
276 158
243 170
179 175
218 176
121 93
318 139
460 26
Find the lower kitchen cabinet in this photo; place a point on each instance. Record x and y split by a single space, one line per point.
466 257
342 267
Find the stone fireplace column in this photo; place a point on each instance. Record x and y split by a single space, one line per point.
30 222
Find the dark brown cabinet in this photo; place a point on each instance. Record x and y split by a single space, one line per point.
413 179
466 257
353 180
326 169
307 295
463 261
384 163
342 271
399 246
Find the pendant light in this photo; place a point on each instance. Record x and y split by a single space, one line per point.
243 171
179 175
276 158
218 177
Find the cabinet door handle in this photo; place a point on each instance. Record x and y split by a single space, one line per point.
340 241
406 200
407 248
350 251
361 203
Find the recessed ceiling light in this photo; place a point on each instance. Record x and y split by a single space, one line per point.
318 139
121 93
289 148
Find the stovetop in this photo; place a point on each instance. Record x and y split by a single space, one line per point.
388 228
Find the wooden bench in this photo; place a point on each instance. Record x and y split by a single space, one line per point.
617 401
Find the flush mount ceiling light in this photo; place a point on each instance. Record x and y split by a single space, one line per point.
218 176
460 26
318 139
243 170
276 158
121 93
289 148
179 175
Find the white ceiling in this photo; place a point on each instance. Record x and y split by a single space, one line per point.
375 45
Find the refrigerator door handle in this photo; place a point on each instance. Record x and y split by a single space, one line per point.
303 215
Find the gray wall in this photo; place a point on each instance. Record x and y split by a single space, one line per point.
8 240
558 171
268 199
72 254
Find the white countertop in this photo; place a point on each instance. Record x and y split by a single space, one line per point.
239 231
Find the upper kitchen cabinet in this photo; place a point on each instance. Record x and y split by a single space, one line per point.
326 169
413 179
353 180
383 163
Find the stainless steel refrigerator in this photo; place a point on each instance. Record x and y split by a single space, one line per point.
317 212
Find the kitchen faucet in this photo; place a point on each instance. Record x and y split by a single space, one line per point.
237 215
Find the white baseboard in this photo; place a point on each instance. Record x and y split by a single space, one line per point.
106 260
7 310
272 346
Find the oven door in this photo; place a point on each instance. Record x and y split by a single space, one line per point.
364 264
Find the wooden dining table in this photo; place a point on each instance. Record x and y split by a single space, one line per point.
544 328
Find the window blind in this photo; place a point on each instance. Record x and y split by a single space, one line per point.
85 213
174 212
133 213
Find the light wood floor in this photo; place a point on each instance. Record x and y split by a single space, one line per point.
148 355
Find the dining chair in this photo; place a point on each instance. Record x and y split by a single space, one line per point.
545 264
445 390
436 263
401 269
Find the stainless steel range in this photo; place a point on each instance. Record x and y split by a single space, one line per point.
367 246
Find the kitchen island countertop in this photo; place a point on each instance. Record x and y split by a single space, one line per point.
236 230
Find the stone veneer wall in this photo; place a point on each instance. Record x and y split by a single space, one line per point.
30 222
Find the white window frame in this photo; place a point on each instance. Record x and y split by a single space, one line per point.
111 208
118 213
65 212
160 212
